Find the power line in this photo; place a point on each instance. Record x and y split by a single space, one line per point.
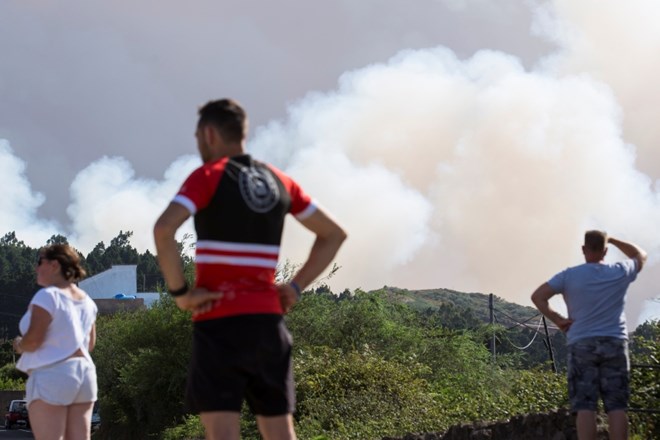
492 309
515 320
518 324
536 333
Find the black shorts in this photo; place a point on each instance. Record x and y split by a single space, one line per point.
241 357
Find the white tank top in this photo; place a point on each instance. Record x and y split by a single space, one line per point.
68 331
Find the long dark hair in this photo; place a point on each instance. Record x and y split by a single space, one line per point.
67 257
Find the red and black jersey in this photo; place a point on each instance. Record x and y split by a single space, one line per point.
239 206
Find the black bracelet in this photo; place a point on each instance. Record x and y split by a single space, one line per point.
178 292
296 287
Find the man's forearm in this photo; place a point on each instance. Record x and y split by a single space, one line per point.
170 262
629 249
561 322
541 299
321 255
167 250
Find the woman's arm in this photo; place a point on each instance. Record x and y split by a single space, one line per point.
92 338
36 334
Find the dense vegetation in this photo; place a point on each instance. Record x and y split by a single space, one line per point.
18 283
365 367
367 364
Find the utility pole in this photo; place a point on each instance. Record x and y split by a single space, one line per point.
548 343
492 323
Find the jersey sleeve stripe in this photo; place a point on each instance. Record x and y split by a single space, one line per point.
186 202
311 208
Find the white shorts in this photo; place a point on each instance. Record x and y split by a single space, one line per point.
72 380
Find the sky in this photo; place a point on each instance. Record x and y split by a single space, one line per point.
463 144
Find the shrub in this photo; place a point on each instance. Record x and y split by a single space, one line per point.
12 379
141 360
360 395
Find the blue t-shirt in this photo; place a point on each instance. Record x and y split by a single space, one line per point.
595 295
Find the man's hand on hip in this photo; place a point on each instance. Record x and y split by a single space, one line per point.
198 300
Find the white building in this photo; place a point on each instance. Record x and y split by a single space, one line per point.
118 280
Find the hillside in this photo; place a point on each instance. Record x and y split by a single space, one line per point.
474 303
519 333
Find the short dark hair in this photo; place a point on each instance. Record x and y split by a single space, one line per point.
227 116
68 258
595 240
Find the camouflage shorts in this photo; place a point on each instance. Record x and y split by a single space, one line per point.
598 366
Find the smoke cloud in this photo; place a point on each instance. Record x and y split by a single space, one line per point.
493 172
19 203
476 174
106 198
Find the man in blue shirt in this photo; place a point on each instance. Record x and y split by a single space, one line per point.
598 363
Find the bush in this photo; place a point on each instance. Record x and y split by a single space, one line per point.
644 385
360 395
12 379
190 429
142 360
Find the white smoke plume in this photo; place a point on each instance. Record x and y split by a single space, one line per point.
19 204
616 43
480 175
106 198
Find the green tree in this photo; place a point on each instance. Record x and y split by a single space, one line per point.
7 354
17 282
360 395
366 366
141 361
356 321
17 262
645 381
149 277
94 262
119 251
57 239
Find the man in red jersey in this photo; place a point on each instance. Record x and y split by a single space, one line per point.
241 347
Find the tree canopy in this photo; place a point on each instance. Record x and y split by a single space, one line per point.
18 281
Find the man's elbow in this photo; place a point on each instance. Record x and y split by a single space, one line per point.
162 231
341 235
541 296
337 237
642 256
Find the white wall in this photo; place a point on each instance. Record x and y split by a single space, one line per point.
118 279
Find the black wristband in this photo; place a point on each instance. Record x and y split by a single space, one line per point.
178 292
296 287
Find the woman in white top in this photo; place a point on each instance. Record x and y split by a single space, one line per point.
59 331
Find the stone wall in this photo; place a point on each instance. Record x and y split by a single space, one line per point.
556 425
112 306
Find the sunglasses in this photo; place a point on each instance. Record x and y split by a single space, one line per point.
40 260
